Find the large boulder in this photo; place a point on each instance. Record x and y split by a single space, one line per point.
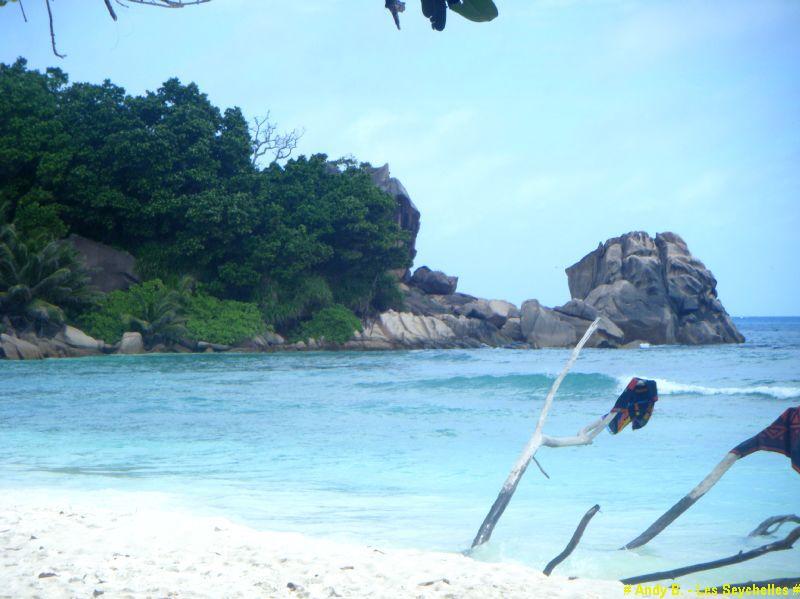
418 302
496 312
433 282
14 348
132 343
406 213
542 327
578 309
654 290
513 329
403 329
546 327
77 339
109 269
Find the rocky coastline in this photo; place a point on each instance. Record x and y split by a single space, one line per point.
645 290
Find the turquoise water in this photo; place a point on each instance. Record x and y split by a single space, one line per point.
409 449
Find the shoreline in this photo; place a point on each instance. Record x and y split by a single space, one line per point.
59 547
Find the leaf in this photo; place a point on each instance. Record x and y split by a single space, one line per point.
479 11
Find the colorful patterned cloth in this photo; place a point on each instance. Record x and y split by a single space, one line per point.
634 405
782 436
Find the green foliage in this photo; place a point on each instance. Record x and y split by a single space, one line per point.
39 220
167 314
222 321
38 284
284 306
168 177
334 324
151 308
386 294
479 11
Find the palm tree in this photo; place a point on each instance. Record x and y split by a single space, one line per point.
37 285
160 317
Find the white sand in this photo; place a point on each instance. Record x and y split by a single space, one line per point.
52 548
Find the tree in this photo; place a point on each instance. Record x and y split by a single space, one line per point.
37 286
265 139
154 310
171 178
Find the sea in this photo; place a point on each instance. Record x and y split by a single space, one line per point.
409 449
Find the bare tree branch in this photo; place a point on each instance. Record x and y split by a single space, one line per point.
685 503
266 139
573 542
111 9
766 527
52 32
533 445
782 545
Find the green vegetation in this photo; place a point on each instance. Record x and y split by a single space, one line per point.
164 314
151 308
222 321
38 280
333 324
170 178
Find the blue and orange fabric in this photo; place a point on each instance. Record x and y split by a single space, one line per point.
782 436
634 405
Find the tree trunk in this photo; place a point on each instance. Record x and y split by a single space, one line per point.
684 504
573 542
535 442
781 545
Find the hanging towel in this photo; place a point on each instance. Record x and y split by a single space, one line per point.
634 405
782 436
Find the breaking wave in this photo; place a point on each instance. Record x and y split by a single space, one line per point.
667 387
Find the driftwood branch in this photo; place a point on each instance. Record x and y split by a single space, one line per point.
781 545
535 442
771 525
776 582
538 465
573 542
684 504
584 437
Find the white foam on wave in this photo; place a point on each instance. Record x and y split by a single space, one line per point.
667 387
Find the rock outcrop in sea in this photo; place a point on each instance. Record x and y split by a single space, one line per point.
654 290
644 290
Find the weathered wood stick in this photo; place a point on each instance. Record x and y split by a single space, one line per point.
584 437
573 542
777 582
535 442
684 504
766 527
781 545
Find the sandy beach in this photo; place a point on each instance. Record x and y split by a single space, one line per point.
59 548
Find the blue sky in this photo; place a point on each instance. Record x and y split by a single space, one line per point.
525 141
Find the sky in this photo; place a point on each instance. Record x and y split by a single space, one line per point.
524 142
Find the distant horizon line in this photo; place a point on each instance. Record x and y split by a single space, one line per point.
768 316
